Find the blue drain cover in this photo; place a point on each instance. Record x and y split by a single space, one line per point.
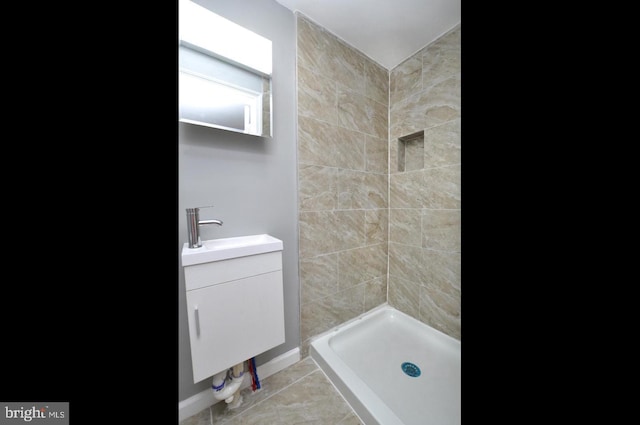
411 369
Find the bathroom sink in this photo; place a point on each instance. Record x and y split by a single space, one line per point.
226 248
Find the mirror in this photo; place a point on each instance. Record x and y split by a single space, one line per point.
224 73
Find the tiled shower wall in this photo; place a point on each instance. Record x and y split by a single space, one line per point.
342 180
424 204
348 162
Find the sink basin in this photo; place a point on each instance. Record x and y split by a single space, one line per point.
225 248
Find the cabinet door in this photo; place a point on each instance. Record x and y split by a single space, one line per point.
234 321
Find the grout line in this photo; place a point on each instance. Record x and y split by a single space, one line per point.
342 210
388 177
277 392
364 282
339 393
294 382
426 209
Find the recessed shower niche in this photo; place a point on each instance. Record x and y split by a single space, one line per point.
411 152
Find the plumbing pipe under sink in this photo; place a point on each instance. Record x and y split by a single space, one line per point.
226 385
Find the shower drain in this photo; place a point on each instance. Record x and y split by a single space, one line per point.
411 369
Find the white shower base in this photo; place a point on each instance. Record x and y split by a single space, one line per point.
363 358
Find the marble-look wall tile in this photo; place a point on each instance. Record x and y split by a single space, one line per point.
312 46
349 303
317 233
405 296
405 79
375 191
318 277
376 83
442 102
349 149
440 62
376 157
321 315
351 189
349 229
317 96
376 224
424 215
441 268
317 317
422 266
317 187
441 230
394 156
406 262
442 145
425 284
405 225
342 145
358 112
442 188
425 90
407 116
413 153
304 344
437 104
440 309
407 190
378 115
359 265
321 143
346 65
317 140
375 292
348 180
358 190
451 40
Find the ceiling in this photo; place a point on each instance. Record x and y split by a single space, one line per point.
388 31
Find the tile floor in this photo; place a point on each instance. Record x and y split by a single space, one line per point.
299 394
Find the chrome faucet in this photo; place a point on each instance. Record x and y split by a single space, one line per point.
193 226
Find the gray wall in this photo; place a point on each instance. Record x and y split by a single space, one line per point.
250 181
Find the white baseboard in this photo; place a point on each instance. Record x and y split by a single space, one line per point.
204 399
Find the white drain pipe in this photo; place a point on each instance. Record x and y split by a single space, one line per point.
226 385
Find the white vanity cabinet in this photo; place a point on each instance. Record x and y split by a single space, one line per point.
235 310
